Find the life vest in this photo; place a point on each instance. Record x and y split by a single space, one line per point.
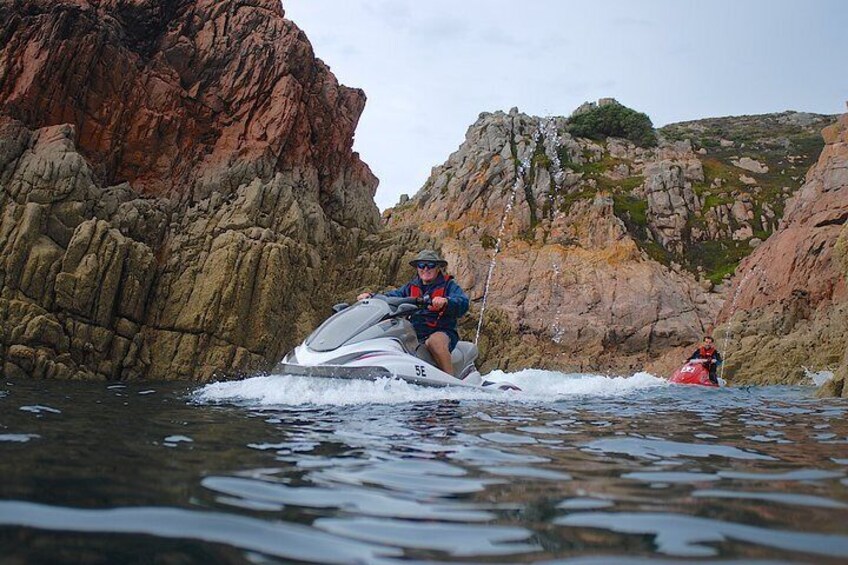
706 353
415 291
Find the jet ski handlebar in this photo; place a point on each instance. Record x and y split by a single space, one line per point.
395 301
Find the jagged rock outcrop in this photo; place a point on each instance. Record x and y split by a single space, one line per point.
186 97
672 203
178 194
569 276
732 187
609 252
789 301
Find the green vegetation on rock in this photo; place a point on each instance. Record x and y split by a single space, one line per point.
631 208
614 120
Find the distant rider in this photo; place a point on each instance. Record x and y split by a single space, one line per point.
436 326
708 351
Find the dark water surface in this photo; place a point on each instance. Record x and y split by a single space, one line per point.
278 469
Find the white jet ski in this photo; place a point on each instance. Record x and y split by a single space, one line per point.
373 339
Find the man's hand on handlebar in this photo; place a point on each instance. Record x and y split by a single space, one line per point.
439 303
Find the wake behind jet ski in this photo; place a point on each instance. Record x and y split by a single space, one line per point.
374 339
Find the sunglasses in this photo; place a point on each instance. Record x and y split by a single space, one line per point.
427 265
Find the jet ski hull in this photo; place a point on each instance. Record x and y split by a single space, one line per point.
382 359
693 373
372 373
373 340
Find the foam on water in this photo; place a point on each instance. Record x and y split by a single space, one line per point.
536 385
818 378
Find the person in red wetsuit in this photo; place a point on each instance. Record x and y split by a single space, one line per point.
435 326
708 351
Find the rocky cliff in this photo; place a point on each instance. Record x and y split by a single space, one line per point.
608 253
570 277
179 199
178 194
788 307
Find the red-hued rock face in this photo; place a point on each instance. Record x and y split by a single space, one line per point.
170 95
798 259
788 307
178 193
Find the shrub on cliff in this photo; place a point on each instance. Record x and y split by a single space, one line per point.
614 120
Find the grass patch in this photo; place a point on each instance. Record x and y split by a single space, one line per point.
718 258
713 200
656 252
564 157
568 199
627 206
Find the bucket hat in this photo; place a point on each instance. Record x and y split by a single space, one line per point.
429 255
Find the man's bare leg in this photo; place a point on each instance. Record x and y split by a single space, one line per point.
438 346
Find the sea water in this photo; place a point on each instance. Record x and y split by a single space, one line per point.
574 469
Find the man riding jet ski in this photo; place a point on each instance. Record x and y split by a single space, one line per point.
409 333
435 326
700 368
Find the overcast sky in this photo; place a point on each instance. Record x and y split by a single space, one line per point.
429 67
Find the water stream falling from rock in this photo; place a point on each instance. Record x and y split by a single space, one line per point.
557 330
548 136
519 180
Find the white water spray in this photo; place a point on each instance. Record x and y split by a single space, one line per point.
548 135
519 179
742 283
537 386
557 331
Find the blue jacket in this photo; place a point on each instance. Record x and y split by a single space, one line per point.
425 321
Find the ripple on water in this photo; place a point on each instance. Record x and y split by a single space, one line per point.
508 439
670 477
585 503
797 475
458 540
39 409
290 541
173 441
421 477
358 500
780 497
665 449
18 438
489 456
528 473
684 536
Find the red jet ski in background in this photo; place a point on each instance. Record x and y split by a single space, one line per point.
694 372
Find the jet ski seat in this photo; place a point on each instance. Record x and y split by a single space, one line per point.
463 354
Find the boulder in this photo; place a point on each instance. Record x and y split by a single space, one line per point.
751 165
